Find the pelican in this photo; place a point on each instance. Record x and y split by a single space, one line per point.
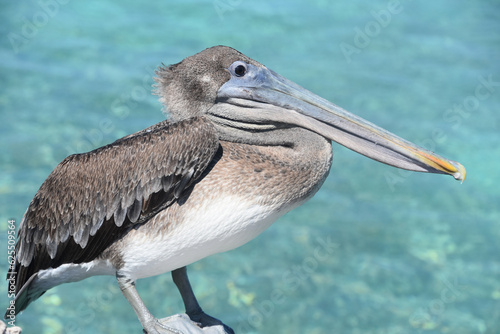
242 146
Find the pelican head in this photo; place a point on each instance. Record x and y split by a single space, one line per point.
250 103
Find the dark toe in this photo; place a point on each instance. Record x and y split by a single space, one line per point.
207 321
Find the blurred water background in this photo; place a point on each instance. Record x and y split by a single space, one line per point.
400 252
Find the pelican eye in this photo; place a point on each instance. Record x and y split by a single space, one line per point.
240 70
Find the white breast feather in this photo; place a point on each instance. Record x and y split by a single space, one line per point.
218 226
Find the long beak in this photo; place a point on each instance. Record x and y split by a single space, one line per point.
337 124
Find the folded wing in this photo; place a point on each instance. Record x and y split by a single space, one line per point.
92 199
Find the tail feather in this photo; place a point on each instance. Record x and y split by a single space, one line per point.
24 297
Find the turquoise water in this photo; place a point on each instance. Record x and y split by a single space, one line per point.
375 251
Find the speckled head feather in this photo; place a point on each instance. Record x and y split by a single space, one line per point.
189 88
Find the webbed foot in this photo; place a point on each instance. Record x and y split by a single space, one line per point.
207 321
156 326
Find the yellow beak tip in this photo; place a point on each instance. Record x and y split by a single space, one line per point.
461 173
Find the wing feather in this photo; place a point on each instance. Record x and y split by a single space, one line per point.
92 199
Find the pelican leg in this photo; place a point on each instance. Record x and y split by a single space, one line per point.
193 309
150 324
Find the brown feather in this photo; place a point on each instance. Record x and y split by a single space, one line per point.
92 199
